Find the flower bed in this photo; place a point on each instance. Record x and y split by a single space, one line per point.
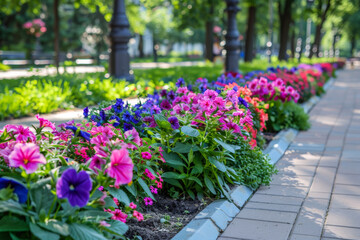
87 180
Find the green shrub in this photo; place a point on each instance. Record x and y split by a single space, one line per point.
286 115
4 67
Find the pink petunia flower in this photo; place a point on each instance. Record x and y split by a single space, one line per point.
27 156
20 133
118 215
146 155
138 216
148 201
45 123
133 136
121 167
96 163
132 205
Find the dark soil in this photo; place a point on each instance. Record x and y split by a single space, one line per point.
164 218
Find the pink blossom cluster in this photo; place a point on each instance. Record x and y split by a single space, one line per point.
35 27
273 90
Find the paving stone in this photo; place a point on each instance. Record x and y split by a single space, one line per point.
349 167
346 189
240 195
311 217
273 207
321 195
343 217
198 229
303 181
345 201
303 237
267 215
349 179
286 200
329 161
297 170
307 147
288 191
274 155
341 232
259 230
323 180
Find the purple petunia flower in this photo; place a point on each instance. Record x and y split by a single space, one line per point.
165 105
243 102
82 134
174 122
86 112
75 187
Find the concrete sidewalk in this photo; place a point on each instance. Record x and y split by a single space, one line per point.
316 193
16 73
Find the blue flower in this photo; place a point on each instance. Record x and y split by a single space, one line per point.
117 123
128 126
18 188
82 134
118 107
190 87
180 82
235 88
126 116
86 112
103 115
174 121
243 102
94 118
171 95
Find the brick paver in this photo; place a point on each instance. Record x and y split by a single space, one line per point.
316 194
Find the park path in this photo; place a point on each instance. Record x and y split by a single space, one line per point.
16 73
316 194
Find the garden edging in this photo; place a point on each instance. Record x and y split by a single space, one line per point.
211 221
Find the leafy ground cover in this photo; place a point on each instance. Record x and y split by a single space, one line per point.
121 165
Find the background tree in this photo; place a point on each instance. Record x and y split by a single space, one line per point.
285 18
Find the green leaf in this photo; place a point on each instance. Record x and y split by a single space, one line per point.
191 194
173 159
187 130
12 224
146 188
43 234
209 185
173 182
13 207
94 215
170 175
198 168
184 148
56 227
81 231
42 197
117 227
225 145
162 121
131 189
109 202
218 165
195 179
119 195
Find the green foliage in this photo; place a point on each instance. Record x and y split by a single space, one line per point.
286 115
4 67
251 165
34 97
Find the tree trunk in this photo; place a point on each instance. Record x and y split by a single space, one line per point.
353 45
285 20
155 55
56 34
209 41
315 47
250 34
293 43
141 46
209 38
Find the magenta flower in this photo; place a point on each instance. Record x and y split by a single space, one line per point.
138 216
118 215
96 163
146 155
75 187
121 167
133 136
45 123
20 133
154 190
132 205
148 201
165 105
27 156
